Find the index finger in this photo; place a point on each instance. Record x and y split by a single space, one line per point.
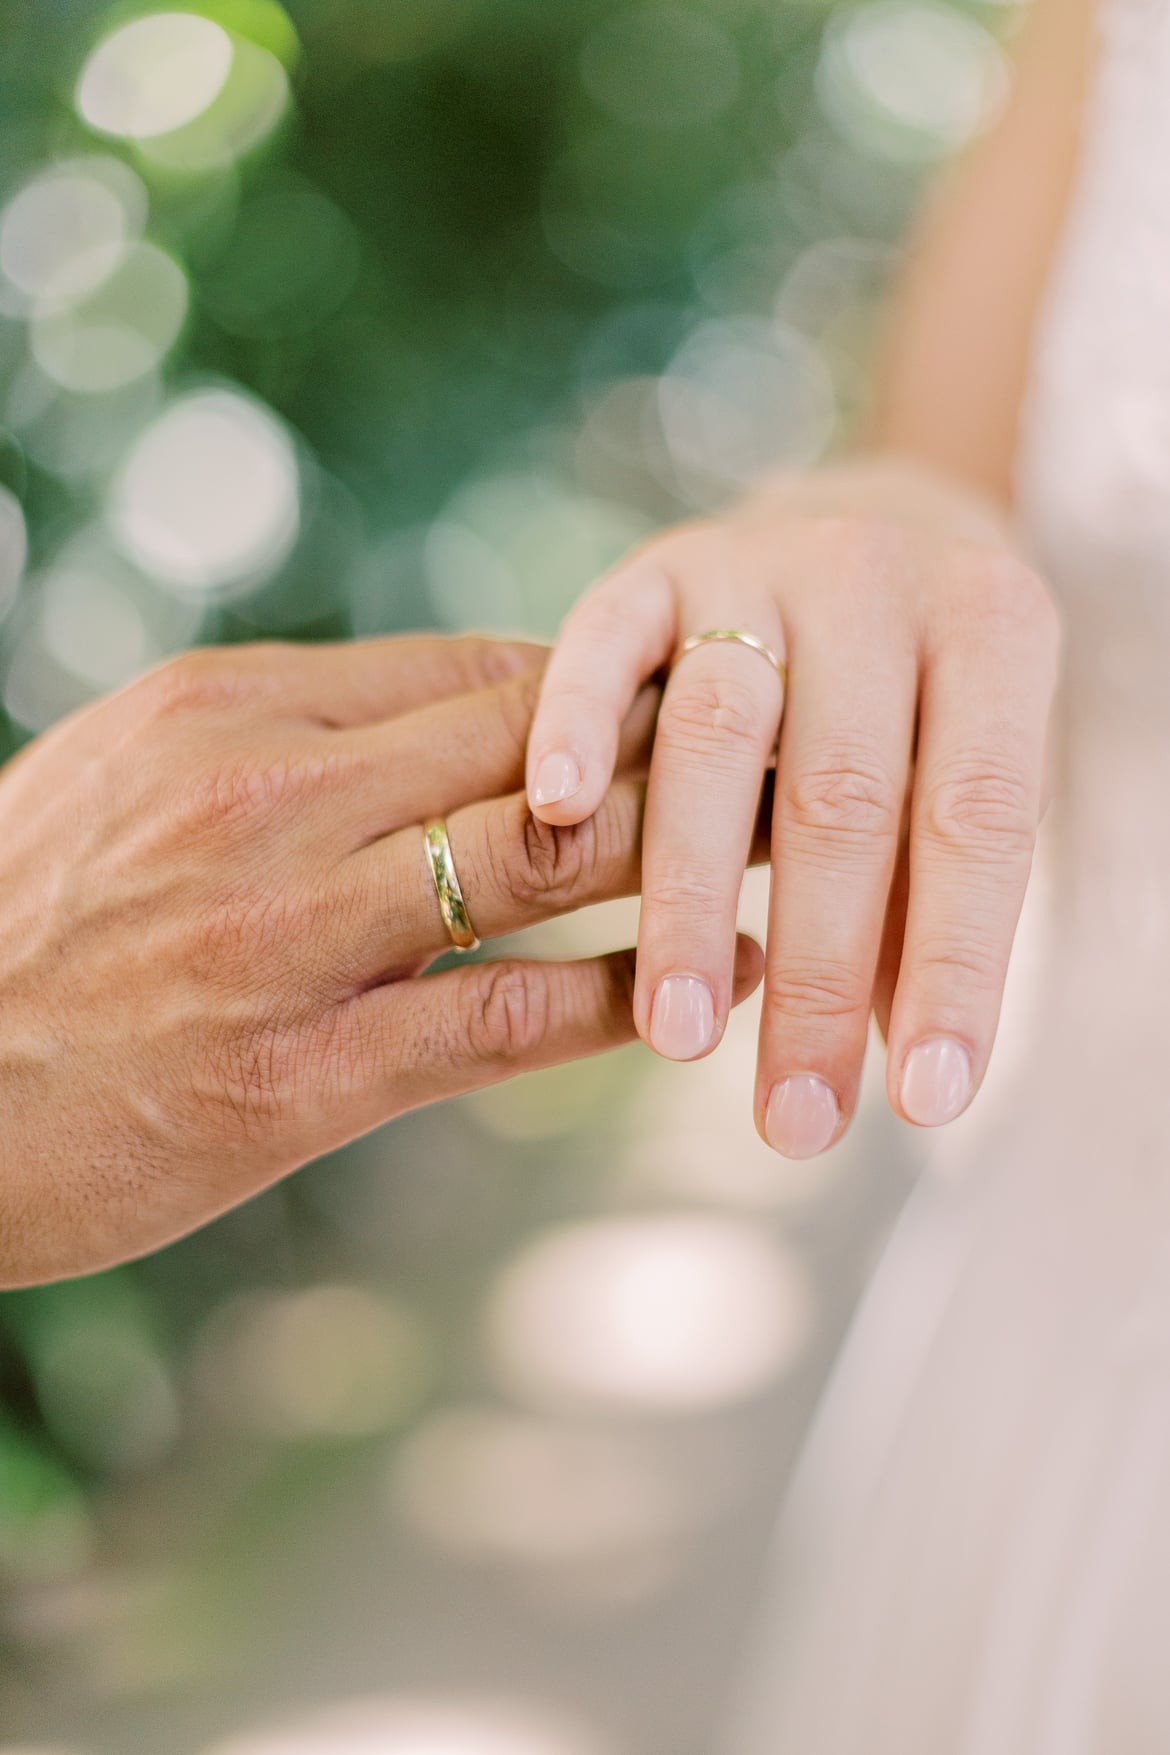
361 682
612 642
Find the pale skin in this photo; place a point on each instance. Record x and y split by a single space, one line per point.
922 650
218 914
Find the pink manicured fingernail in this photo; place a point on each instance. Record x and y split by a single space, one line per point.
682 1021
936 1081
557 776
802 1116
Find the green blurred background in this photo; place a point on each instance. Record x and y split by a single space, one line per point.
346 317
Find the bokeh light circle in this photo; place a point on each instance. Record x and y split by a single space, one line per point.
13 548
494 1486
290 263
85 623
121 331
247 110
515 550
209 498
332 1361
740 397
41 1749
662 67
154 74
909 79
79 437
670 1312
65 232
106 1392
421 1727
94 630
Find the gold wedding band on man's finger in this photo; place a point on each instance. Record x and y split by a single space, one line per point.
506 873
513 871
447 887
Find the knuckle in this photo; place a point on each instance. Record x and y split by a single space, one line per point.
859 545
200 679
253 1079
254 786
690 895
981 808
602 616
223 794
506 1012
1002 595
816 990
516 706
956 960
843 793
712 717
243 933
490 662
348 1053
1014 590
552 867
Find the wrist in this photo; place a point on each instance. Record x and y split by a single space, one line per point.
891 486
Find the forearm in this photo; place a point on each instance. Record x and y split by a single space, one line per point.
954 362
884 485
935 449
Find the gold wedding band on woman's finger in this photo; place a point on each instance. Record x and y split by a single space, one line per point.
738 638
451 904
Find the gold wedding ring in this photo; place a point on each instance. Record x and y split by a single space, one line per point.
740 639
451 904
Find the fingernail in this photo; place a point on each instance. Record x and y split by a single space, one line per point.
936 1081
802 1116
557 776
682 1021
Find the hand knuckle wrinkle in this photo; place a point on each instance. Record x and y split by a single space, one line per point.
712 716
958 962
848 798
551 866
821 990
981 808
506 1012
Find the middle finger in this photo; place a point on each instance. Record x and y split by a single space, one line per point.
840 787
716 729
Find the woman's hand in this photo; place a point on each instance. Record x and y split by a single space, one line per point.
922 656
215 905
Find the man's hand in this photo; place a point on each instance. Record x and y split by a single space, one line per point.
216 910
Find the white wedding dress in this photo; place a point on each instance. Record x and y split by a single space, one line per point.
975 1556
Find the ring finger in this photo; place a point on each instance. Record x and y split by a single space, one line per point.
513 872
716 729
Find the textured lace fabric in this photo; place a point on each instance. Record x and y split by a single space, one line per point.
975 1556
